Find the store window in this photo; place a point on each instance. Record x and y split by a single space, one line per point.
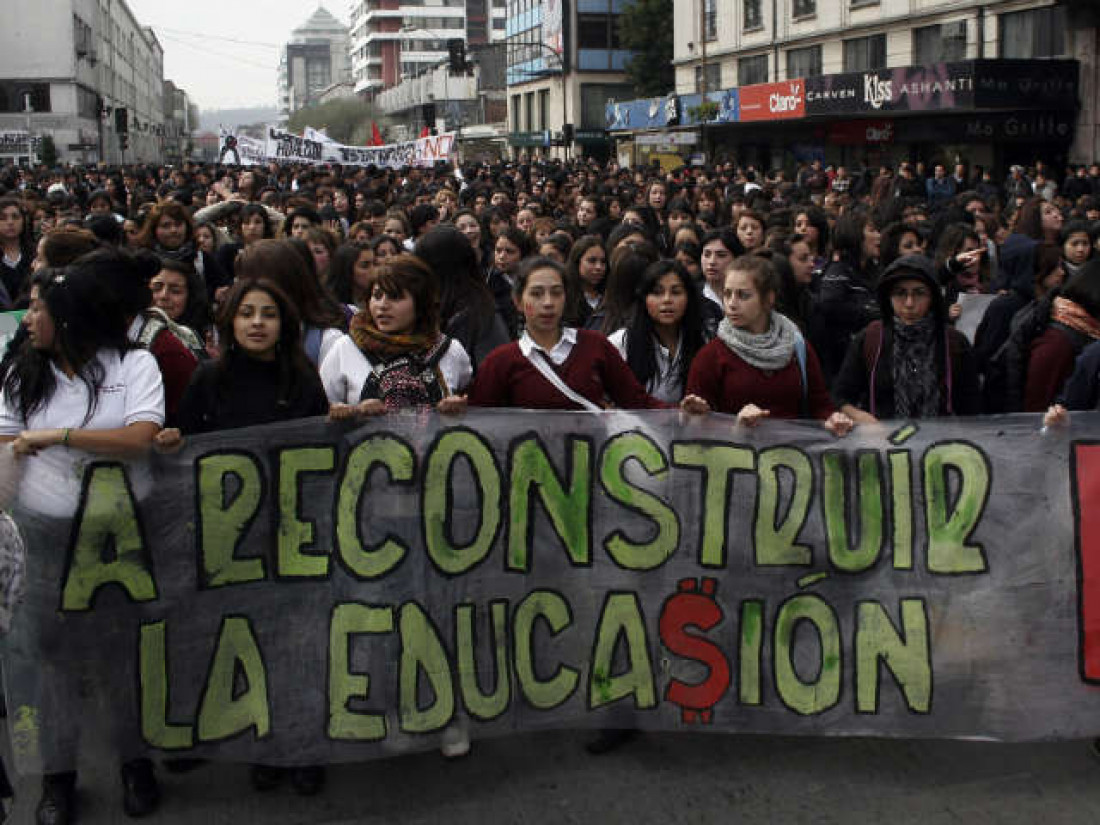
1034 33
804 62
943 43
863 54
752 70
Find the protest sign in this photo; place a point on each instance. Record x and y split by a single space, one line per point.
974 306
316 148
310 592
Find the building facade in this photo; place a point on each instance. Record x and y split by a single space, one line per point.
181 118
68 67
863 82
564 64
314 59
396 39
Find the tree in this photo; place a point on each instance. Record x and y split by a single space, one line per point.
346 121
47 152
645 27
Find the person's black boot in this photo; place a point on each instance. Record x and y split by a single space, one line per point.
57 805
308 779
140 791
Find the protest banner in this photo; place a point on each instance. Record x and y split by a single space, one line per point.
310 592
283 147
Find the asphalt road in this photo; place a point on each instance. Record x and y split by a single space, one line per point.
656 778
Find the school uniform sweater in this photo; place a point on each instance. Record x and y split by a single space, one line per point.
728 383
593 369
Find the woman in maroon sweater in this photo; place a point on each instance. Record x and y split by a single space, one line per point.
759 365
585 362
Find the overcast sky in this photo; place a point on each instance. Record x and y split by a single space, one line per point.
201 57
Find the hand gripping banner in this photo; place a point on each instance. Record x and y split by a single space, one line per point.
309 592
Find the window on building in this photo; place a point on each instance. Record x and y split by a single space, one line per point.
15 94
597 31
710 19
862 54
1034 33
594 100
804 62
515 113
529 111
803 8
544 108
752 70
753 14
712 75
939 44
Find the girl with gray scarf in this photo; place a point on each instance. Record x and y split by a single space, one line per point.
760 366
911 364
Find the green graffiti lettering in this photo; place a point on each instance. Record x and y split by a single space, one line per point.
906 654
348 620
400 462
438 518
622 619
807 698
949 531
223 524
294 533
718 462
901 486
626 553
752 651
531 471
153 668
235 697
422 652
776 543
542 694
871 516
484 706
108 546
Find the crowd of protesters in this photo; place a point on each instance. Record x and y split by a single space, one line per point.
228 297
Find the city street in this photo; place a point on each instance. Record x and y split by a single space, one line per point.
688 778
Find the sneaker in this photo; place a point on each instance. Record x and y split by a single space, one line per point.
456 740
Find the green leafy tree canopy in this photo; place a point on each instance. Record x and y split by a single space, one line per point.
645 27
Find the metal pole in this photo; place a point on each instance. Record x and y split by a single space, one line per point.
703 45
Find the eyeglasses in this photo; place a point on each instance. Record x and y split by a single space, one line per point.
920 293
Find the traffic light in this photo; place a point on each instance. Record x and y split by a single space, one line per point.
567 134
456 53
122 120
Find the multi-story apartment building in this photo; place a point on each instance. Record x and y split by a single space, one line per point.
564 63
68 66
396 39
180 121
315 58
861 82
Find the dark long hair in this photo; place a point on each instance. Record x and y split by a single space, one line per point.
341 271
87 319
462 288
26 237
626 267
280 262
289 355
641 336
148 236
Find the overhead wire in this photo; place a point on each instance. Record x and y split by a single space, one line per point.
222 55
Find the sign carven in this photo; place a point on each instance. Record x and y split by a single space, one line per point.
309 592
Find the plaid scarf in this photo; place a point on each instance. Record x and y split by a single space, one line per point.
405 372
1073 315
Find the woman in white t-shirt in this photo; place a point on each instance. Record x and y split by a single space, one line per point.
75 391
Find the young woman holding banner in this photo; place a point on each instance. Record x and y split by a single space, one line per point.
77 390
262 376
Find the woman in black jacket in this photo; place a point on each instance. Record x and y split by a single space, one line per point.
912 363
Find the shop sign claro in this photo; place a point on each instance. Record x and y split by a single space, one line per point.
774 101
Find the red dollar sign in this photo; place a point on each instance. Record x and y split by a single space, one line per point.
694 606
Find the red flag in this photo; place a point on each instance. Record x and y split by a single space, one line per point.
425 132
375 135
